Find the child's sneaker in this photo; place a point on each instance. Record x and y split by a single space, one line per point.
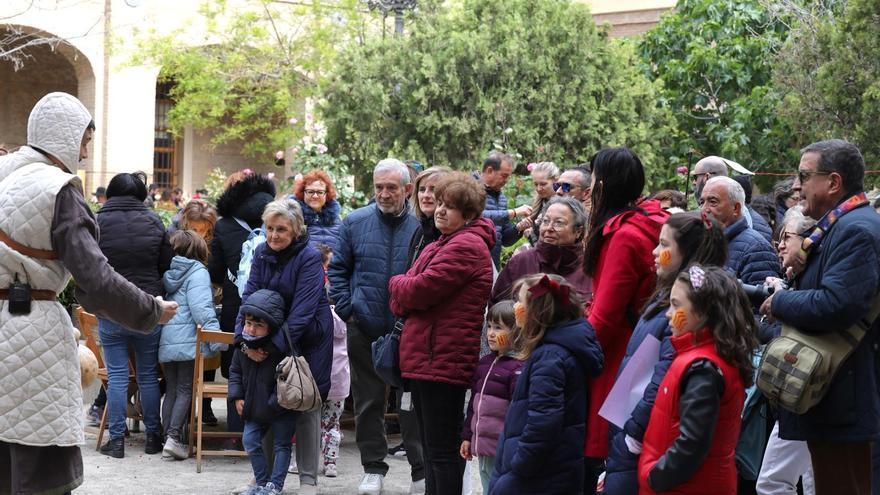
270 489
252 485
174 449
93 417
398 451
293 469
254 489
330 470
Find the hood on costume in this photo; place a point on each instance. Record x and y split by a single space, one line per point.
57 125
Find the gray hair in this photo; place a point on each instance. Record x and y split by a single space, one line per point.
394 165
290 210
735 191
548 168
795 216
578 212
782 190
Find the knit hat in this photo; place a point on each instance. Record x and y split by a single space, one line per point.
268 305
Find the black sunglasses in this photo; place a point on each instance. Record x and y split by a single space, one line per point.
566 187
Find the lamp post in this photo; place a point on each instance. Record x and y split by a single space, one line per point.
396 6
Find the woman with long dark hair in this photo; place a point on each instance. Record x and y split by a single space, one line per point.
624 229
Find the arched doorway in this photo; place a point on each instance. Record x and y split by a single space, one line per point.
47 68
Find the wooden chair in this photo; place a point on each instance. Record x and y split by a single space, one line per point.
202 390
88 326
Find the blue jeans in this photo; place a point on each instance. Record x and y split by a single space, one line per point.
282 435
116 339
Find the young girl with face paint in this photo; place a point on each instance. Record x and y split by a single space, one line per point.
685 238
491 391
541 449
690 443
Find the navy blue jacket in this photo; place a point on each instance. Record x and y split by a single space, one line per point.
297 274
505 230
323 226
542 447
373 247
135 243
749 256
760 225
254 383
834 291
621 475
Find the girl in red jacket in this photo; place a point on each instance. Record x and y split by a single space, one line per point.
689 445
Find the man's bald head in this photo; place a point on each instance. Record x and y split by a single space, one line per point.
705 169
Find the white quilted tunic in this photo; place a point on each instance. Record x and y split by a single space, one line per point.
40 391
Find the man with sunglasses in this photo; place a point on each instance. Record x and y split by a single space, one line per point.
837 288
575 183
705 169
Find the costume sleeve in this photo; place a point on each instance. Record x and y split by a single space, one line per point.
99 289
699 404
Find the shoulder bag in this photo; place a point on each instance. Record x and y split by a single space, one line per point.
295 386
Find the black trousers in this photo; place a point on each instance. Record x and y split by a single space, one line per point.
440 409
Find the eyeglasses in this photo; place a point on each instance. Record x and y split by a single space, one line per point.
697 176
566 187
784 236
314 192
555 224
804 175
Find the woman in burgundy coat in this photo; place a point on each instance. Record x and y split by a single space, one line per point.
560 251
624 229
443 296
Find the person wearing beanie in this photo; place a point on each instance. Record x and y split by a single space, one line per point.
252 389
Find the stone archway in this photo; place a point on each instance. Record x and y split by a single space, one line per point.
48 68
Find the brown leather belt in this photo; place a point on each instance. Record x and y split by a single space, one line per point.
36 295
28 251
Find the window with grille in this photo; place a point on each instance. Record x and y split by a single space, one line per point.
164 143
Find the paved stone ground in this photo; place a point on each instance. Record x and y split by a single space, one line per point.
139 473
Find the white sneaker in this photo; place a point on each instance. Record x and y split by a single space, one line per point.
417 487
371 484
330 470
174 449
293 469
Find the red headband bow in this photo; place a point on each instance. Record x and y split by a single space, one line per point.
559 291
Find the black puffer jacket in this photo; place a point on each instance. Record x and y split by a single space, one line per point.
244 200
135 243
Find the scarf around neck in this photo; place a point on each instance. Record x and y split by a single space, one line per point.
830 219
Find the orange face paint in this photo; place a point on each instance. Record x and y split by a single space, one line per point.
664 258
679 320
501 340
519 312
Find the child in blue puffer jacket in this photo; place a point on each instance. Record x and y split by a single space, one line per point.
188 284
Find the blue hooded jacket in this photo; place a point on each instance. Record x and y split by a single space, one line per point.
749 256
297 274
188 284
373 247
323 226
833 292
542 447
621 476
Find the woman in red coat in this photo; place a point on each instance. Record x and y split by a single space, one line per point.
623 233
443 297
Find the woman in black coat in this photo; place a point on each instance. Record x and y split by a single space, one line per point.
240 207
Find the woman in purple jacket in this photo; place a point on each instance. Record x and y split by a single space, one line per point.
491 392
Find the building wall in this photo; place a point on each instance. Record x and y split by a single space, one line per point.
629 17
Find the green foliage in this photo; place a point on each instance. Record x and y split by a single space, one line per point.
714 61
165 216
214 184
535 78
251 69
831 66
